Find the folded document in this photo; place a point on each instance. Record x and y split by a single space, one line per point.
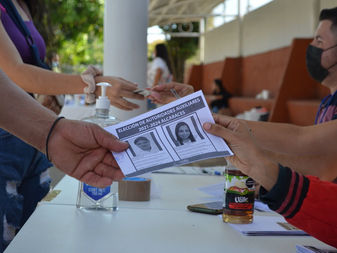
268 225
311 249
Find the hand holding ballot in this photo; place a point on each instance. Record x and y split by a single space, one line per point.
248 157
82 150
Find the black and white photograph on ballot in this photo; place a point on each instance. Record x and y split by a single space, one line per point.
144 145
147 150
188 138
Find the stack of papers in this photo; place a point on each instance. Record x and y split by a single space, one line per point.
188 170
194 170
268 225
260 206
311 249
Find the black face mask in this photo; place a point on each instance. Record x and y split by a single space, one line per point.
313 62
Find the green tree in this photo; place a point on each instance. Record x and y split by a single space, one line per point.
71 28
181 48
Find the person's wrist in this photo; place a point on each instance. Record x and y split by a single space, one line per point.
40 139
52 133
265 172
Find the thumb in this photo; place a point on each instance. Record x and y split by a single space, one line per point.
109 141
219 131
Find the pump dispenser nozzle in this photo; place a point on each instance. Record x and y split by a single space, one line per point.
103 102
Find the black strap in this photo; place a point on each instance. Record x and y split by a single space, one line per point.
49 134
17 19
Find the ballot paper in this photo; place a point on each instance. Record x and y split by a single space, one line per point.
168 136
311 249
268 226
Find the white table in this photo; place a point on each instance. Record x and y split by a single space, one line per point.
77 112
168 191
161 225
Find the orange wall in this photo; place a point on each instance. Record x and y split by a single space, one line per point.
194 77
231 76
210 72
202 76
282 71
264 71
296 83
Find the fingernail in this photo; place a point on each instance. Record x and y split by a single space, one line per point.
207 126
123 143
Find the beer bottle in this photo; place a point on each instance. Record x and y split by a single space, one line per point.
238 205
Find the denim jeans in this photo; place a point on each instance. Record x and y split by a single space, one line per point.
150 105
24 181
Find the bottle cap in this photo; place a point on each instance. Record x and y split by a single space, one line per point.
103 101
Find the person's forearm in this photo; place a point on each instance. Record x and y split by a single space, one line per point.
321 166
295 140
31 78
275 136
22 116
37 80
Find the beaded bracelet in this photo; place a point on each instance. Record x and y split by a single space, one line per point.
49 134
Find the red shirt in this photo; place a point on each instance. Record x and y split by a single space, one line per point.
306 202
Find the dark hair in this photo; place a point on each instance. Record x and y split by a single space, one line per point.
141 138
218 83
161 52
33 7
179 139
330 14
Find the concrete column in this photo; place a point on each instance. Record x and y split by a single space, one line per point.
125 45
202 31
316 10
240 29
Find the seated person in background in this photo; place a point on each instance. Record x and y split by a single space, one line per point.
220 105
305 201
183 133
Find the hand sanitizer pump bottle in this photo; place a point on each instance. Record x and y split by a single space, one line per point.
94 198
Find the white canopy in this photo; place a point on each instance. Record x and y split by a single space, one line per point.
162 12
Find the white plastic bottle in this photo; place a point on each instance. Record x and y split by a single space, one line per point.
90 197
